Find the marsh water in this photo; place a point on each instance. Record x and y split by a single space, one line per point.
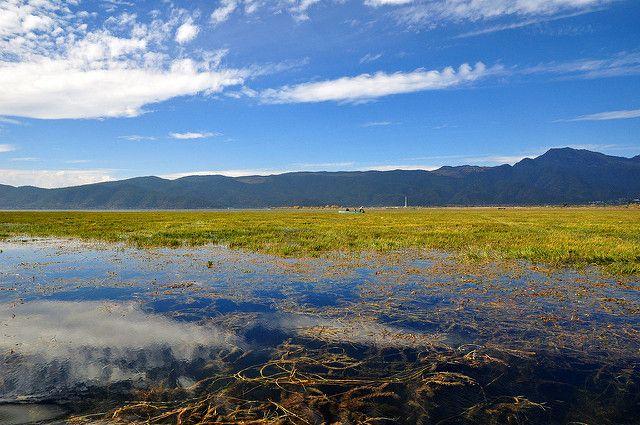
96 333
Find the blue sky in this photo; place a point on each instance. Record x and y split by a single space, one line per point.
101 90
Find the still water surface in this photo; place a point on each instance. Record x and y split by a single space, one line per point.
221 335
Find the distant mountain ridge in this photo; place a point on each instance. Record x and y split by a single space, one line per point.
559 176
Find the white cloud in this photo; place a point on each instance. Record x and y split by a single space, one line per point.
23 17
192 135
370 86
54 67
54 178
186 32
6 148
25 159
434 12
609 115
55 89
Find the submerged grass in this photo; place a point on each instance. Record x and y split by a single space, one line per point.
605 237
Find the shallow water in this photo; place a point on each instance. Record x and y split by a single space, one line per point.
15 414
89 328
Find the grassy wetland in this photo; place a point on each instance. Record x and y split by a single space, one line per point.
608 238
416 316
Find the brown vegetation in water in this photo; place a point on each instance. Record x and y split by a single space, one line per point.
306 381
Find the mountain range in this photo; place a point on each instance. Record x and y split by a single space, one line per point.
559 176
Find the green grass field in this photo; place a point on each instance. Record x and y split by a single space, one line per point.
605 237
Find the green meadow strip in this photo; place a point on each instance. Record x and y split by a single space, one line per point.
608 238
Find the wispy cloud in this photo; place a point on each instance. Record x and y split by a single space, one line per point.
379 3
297 9
371 86
137 138
324 165
295 168
370 57
430 13
406 167
192 135
240 172
188 135
455 160
377 124
366 87
524 23
426 163
6 120
608 115
497 159
619 64
224 11
443 126
7 148
25 159
512 158
54 178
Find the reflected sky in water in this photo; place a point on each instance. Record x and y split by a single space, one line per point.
80 319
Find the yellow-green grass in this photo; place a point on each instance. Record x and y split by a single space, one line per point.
577 237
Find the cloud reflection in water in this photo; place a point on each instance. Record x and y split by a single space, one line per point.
53 347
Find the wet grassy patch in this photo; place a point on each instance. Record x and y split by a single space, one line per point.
605 237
